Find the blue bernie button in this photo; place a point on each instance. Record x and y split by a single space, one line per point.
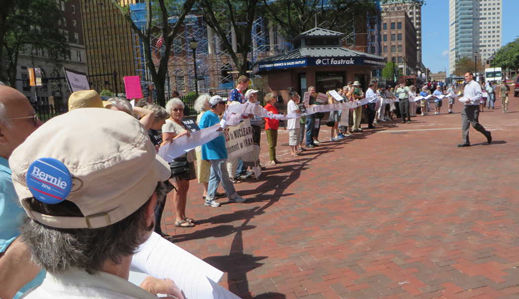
49 180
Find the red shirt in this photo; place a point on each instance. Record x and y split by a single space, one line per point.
272 124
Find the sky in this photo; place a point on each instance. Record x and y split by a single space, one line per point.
435 31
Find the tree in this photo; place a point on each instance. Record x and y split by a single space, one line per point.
296 16
29 26
167 32
508 56
232 15
466 64
388 72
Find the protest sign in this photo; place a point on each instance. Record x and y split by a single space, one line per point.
239 140
76 81
132 85
190 124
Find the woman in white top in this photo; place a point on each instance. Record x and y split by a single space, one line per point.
182 168
293 123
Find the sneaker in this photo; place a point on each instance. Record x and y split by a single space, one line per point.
245 176
316 142
211 203
340 137
236 198
310 146
257 172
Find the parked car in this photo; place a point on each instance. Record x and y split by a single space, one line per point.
516 89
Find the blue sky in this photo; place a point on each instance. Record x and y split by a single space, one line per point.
435 31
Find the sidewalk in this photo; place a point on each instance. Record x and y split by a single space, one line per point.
396 212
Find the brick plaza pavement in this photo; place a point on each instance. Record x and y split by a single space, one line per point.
395 212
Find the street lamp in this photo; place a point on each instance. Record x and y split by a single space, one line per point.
193 45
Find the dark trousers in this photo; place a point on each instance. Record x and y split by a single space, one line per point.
470 116
404 109
371 113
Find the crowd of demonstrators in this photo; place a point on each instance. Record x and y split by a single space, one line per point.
271 127
182 168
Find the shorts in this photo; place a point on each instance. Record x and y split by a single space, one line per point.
438 104
188 174
451 101
292 137
334 116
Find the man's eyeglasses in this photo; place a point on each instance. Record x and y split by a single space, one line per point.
34 117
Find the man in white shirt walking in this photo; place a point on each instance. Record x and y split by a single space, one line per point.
470 114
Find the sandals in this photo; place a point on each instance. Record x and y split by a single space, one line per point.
184 223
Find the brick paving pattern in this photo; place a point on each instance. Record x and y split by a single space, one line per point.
396 212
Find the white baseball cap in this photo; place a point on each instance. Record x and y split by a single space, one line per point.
101 160
249 93
216 99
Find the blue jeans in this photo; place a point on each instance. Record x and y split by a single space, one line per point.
219 174
310 124
240 169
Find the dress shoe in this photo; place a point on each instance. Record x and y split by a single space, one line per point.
489 137
463 144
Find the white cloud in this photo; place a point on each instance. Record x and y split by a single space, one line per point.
445 53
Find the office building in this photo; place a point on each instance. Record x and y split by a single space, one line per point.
413 9
399 41
474 30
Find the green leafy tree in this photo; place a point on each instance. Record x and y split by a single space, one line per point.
508 56
389 71
296 16
29 26
224 16
157 13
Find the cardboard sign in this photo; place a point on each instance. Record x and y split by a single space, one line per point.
321 98
239 140
76 81
132 85
306 98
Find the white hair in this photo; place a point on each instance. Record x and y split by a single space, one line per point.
174 102
121 104
202 102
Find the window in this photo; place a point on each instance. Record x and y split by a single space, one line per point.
385 49
399 36
393 37
385 37
385 26
393 49
399 25
392 25
399 48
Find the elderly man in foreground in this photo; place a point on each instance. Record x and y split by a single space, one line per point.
88 181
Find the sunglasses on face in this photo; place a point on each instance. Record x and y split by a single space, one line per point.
34 117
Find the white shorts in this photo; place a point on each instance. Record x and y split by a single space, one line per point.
292 137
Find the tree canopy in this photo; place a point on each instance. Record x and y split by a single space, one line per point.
467 64
508 56
27 26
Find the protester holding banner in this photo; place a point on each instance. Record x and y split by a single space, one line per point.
344 114
402 93
202 166
437 99
412 103
423 101
182 168
236 95
452 96
372 99
311 120
356 94
256 122
271 127
216 153
293 123
333 120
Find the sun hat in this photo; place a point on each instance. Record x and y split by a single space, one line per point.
101 160
356 83
84 99
216 99
249 93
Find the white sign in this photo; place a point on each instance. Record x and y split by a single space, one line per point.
238 139
76 81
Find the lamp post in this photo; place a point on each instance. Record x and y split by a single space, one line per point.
193 45
475 64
